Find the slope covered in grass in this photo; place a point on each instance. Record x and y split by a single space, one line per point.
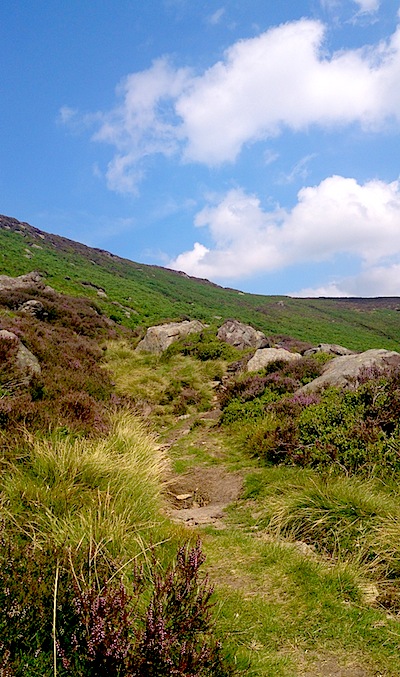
95 577
140 295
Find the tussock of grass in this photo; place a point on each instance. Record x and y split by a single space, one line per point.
352 520
108 490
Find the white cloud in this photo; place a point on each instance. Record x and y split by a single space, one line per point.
371 281
216 17
143 124
368 6
66 114
282 79
298 171
330 290
339 216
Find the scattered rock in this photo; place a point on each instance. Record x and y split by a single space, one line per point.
329 349
32 307
158 338
33 279
205 515
264 356
344 371
241 335
25 361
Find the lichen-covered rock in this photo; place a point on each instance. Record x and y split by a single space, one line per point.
32 307
264 356
344 371
329 349
33 279
159 337
241 335
26 363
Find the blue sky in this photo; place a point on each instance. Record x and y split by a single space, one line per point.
252 143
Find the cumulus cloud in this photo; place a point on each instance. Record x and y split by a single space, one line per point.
143 124
338 216
282 79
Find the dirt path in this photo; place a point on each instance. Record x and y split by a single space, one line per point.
199 497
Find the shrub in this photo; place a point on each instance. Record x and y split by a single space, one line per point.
354 430
73 386
101 627
203 345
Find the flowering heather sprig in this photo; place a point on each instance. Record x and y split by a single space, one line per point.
104 625
304 399
177 638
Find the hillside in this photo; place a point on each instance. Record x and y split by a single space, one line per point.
140 295
179 513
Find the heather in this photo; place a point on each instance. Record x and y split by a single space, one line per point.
89 580
81 616
352 431
297 574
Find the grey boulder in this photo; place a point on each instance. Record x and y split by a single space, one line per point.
159 337
26 363
345 371
329 349
264 356
241 335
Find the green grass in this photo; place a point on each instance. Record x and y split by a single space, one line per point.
72 490
280 611
301 548
150 295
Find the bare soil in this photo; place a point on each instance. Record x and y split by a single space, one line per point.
200 496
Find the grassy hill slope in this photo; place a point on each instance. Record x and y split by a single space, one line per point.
113 463
140 295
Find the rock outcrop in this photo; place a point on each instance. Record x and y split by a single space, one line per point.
344 371
241 335
27 281
26 363
329 349
159 337
33 307
264 356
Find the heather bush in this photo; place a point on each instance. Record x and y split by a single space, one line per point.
78 314
278 377
177 638
73 387
355 430
72 605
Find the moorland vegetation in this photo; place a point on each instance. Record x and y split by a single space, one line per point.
95 576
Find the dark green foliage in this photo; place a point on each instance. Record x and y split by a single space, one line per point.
354 430
249 396
203 346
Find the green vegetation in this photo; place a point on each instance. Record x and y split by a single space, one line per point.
137 295
302 575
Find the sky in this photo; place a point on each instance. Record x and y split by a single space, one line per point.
255 143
